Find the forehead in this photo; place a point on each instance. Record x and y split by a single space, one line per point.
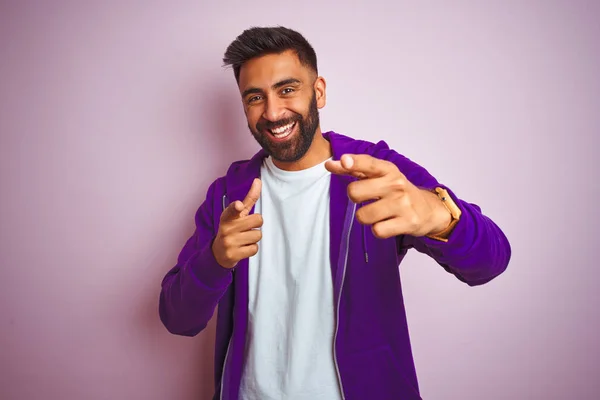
262 72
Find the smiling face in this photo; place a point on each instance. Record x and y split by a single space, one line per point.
281 98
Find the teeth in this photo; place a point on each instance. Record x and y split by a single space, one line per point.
283 131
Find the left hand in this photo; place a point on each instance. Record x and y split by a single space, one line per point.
399 207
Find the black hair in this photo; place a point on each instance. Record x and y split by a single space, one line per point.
259 41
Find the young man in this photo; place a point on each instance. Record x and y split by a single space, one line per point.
299 246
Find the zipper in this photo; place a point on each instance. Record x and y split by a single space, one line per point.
347 229
225 202
225 363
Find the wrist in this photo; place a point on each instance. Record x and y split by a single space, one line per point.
441 218
446 215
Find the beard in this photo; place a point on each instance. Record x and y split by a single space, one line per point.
294 149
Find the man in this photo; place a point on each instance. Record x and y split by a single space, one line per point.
299 246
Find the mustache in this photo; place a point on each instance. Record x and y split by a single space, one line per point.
264 124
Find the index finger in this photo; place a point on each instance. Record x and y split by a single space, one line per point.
252 197
240 209
232 211
361 166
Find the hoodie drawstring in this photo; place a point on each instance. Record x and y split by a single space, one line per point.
364 239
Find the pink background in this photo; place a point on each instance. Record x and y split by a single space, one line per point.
115 118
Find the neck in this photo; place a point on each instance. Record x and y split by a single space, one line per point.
319 151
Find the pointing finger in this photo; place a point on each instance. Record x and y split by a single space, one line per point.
336 167
232 211
251 197
370 166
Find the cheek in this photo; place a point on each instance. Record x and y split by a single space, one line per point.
298 106
252 116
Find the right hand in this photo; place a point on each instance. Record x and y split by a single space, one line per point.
238 235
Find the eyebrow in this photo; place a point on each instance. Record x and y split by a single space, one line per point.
285 82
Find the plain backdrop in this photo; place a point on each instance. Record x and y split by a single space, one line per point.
116 116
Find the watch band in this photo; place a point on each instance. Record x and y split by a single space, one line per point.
454 211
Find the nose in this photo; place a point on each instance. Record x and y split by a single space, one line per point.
274 110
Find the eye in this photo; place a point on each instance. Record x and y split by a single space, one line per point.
253 99
287 90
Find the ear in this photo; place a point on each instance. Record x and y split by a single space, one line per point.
320 91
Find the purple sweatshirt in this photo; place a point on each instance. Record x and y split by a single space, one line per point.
372 348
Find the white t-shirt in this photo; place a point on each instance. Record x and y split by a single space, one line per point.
289 347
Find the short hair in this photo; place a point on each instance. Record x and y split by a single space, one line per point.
258 41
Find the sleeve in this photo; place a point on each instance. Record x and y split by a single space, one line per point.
477 250
191 290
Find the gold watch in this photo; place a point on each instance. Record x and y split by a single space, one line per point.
455 213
